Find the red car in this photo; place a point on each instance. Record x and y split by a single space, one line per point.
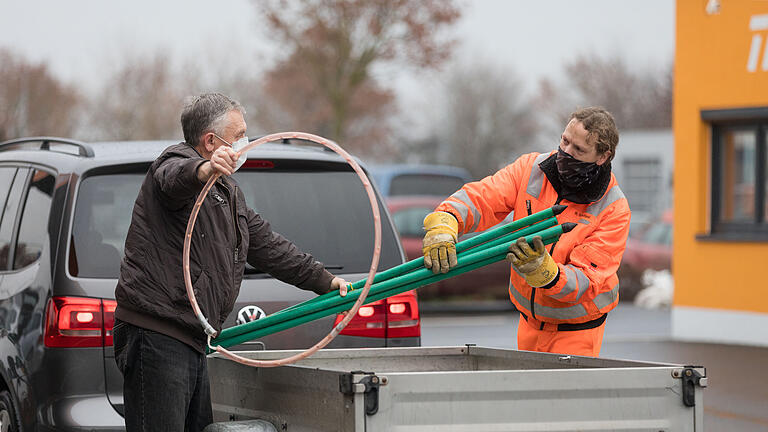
650 248
490 282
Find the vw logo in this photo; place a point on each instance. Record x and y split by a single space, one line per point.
249 313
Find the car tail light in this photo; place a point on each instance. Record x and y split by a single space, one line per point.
109 320
395 317
366 311
78 322
403 317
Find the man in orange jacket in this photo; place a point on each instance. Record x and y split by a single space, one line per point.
563 292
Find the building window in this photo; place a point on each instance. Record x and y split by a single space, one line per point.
739 182
642 183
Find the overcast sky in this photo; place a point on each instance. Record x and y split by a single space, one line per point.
81 39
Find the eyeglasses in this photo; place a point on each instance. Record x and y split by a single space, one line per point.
222 139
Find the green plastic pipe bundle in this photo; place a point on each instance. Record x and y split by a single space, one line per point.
491 252
547 216
298 320
505 233
385 290
333 299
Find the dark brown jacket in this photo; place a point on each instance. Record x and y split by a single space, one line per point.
150 292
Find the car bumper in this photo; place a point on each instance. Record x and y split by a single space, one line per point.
79 414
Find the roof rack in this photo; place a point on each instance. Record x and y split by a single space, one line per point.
290 141
83 149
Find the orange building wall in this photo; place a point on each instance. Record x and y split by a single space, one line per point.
711 73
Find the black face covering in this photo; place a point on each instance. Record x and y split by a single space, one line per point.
575 174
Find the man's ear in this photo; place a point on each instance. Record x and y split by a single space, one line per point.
603 158
208 142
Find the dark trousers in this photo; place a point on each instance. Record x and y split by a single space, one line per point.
165 381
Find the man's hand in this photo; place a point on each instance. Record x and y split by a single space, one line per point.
536 265
339 284
223 160
439 245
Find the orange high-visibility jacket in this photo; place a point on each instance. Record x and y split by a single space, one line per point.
588 256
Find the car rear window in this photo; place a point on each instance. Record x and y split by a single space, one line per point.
324 211
102 217
425 184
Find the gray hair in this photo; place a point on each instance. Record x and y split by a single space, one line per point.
206 113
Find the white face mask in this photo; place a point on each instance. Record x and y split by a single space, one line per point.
236 146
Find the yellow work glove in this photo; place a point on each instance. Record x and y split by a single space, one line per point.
536 265
439 246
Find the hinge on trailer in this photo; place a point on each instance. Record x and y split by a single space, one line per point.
370 383
691 378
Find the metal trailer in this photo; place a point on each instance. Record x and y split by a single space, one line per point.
451 389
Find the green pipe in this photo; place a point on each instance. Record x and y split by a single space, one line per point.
461 247
379 295
330 299
238 339
416 276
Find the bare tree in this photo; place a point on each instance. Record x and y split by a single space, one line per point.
247 88
294 102
486 123
325 79
33 101
638 99
141 100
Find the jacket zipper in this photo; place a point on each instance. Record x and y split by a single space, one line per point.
233 206
533 289
233 200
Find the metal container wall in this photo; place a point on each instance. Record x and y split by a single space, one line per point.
455 389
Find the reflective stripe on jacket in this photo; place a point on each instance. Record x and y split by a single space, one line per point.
588 256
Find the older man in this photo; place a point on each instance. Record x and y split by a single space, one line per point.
159 343
564 293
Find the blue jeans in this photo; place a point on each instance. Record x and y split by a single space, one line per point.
165 381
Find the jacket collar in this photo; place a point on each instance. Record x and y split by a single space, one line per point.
586 195
193 148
